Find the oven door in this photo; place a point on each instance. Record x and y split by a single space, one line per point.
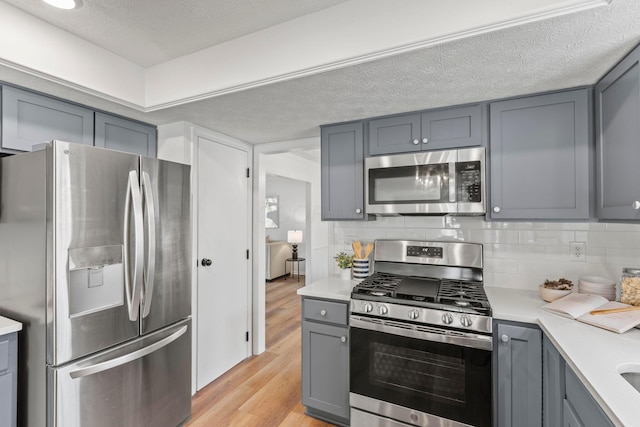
411 183
434 377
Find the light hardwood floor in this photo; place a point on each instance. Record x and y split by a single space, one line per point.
263 390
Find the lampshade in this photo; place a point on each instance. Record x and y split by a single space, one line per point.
294 236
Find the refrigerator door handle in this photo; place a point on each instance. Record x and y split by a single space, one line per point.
150 267
118 361
134 198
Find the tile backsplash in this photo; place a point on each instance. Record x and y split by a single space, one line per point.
516 254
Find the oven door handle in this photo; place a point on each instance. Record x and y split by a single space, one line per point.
482 342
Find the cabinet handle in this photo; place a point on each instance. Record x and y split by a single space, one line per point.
504 338
358 210
496 209
425 140
416 142
323 313
636 205
343 339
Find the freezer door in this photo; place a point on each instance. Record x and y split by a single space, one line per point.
166 291
93 254
143 383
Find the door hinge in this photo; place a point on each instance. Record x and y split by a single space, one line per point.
246 336
248 173
247 253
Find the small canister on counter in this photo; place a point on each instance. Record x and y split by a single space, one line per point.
630 286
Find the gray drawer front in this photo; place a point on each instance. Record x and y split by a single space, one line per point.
325 311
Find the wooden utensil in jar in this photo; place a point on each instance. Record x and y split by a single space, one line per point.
368 250
357 249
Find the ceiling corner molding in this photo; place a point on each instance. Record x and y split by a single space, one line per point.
71 85
385 53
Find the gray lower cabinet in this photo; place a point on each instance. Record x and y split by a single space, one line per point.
325 360
342 172
540 151
30 119
583 410
430 130
518 375
618 141
8 379
121 134
553 385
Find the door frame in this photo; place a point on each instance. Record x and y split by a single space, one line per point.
179 142
313 268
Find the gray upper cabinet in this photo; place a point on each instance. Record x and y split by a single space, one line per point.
29 119
540 151
618 141
342 170
430 130
519 375
120 134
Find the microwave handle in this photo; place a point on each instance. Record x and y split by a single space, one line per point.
452 182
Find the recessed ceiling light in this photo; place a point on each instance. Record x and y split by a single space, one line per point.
61 4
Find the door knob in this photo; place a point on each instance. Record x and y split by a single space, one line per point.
416 141
504 338
206 262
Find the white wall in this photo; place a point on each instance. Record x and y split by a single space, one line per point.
516 254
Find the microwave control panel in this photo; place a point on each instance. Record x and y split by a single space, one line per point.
468 182
425 251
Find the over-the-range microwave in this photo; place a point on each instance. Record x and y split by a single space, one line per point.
427 183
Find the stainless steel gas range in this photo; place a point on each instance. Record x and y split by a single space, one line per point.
421 337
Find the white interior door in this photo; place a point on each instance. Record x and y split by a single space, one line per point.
223 238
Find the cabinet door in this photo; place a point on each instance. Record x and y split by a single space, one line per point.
342 165
569 417
120 134
325 368
452 128
392 135
585 407
618 141
29 119
553 387
540 157
519 376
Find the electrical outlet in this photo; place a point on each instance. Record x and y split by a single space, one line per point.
578 251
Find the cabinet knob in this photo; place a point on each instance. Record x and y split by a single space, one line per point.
206 262
425 140
504 338
358 210
496 209
636 205
343 339
416 142
323 313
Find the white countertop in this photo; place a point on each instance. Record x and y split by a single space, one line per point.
332 287
593 353
8 326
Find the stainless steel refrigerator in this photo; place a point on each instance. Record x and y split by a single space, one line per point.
95 261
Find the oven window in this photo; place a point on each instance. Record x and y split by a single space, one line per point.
409 184
431 375
445 380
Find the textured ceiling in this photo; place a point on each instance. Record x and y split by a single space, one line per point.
147 32
562 52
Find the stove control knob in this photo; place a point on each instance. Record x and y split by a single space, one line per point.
367 307
414 314
382 310
466 321
447 318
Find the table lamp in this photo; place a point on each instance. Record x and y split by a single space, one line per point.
294 237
